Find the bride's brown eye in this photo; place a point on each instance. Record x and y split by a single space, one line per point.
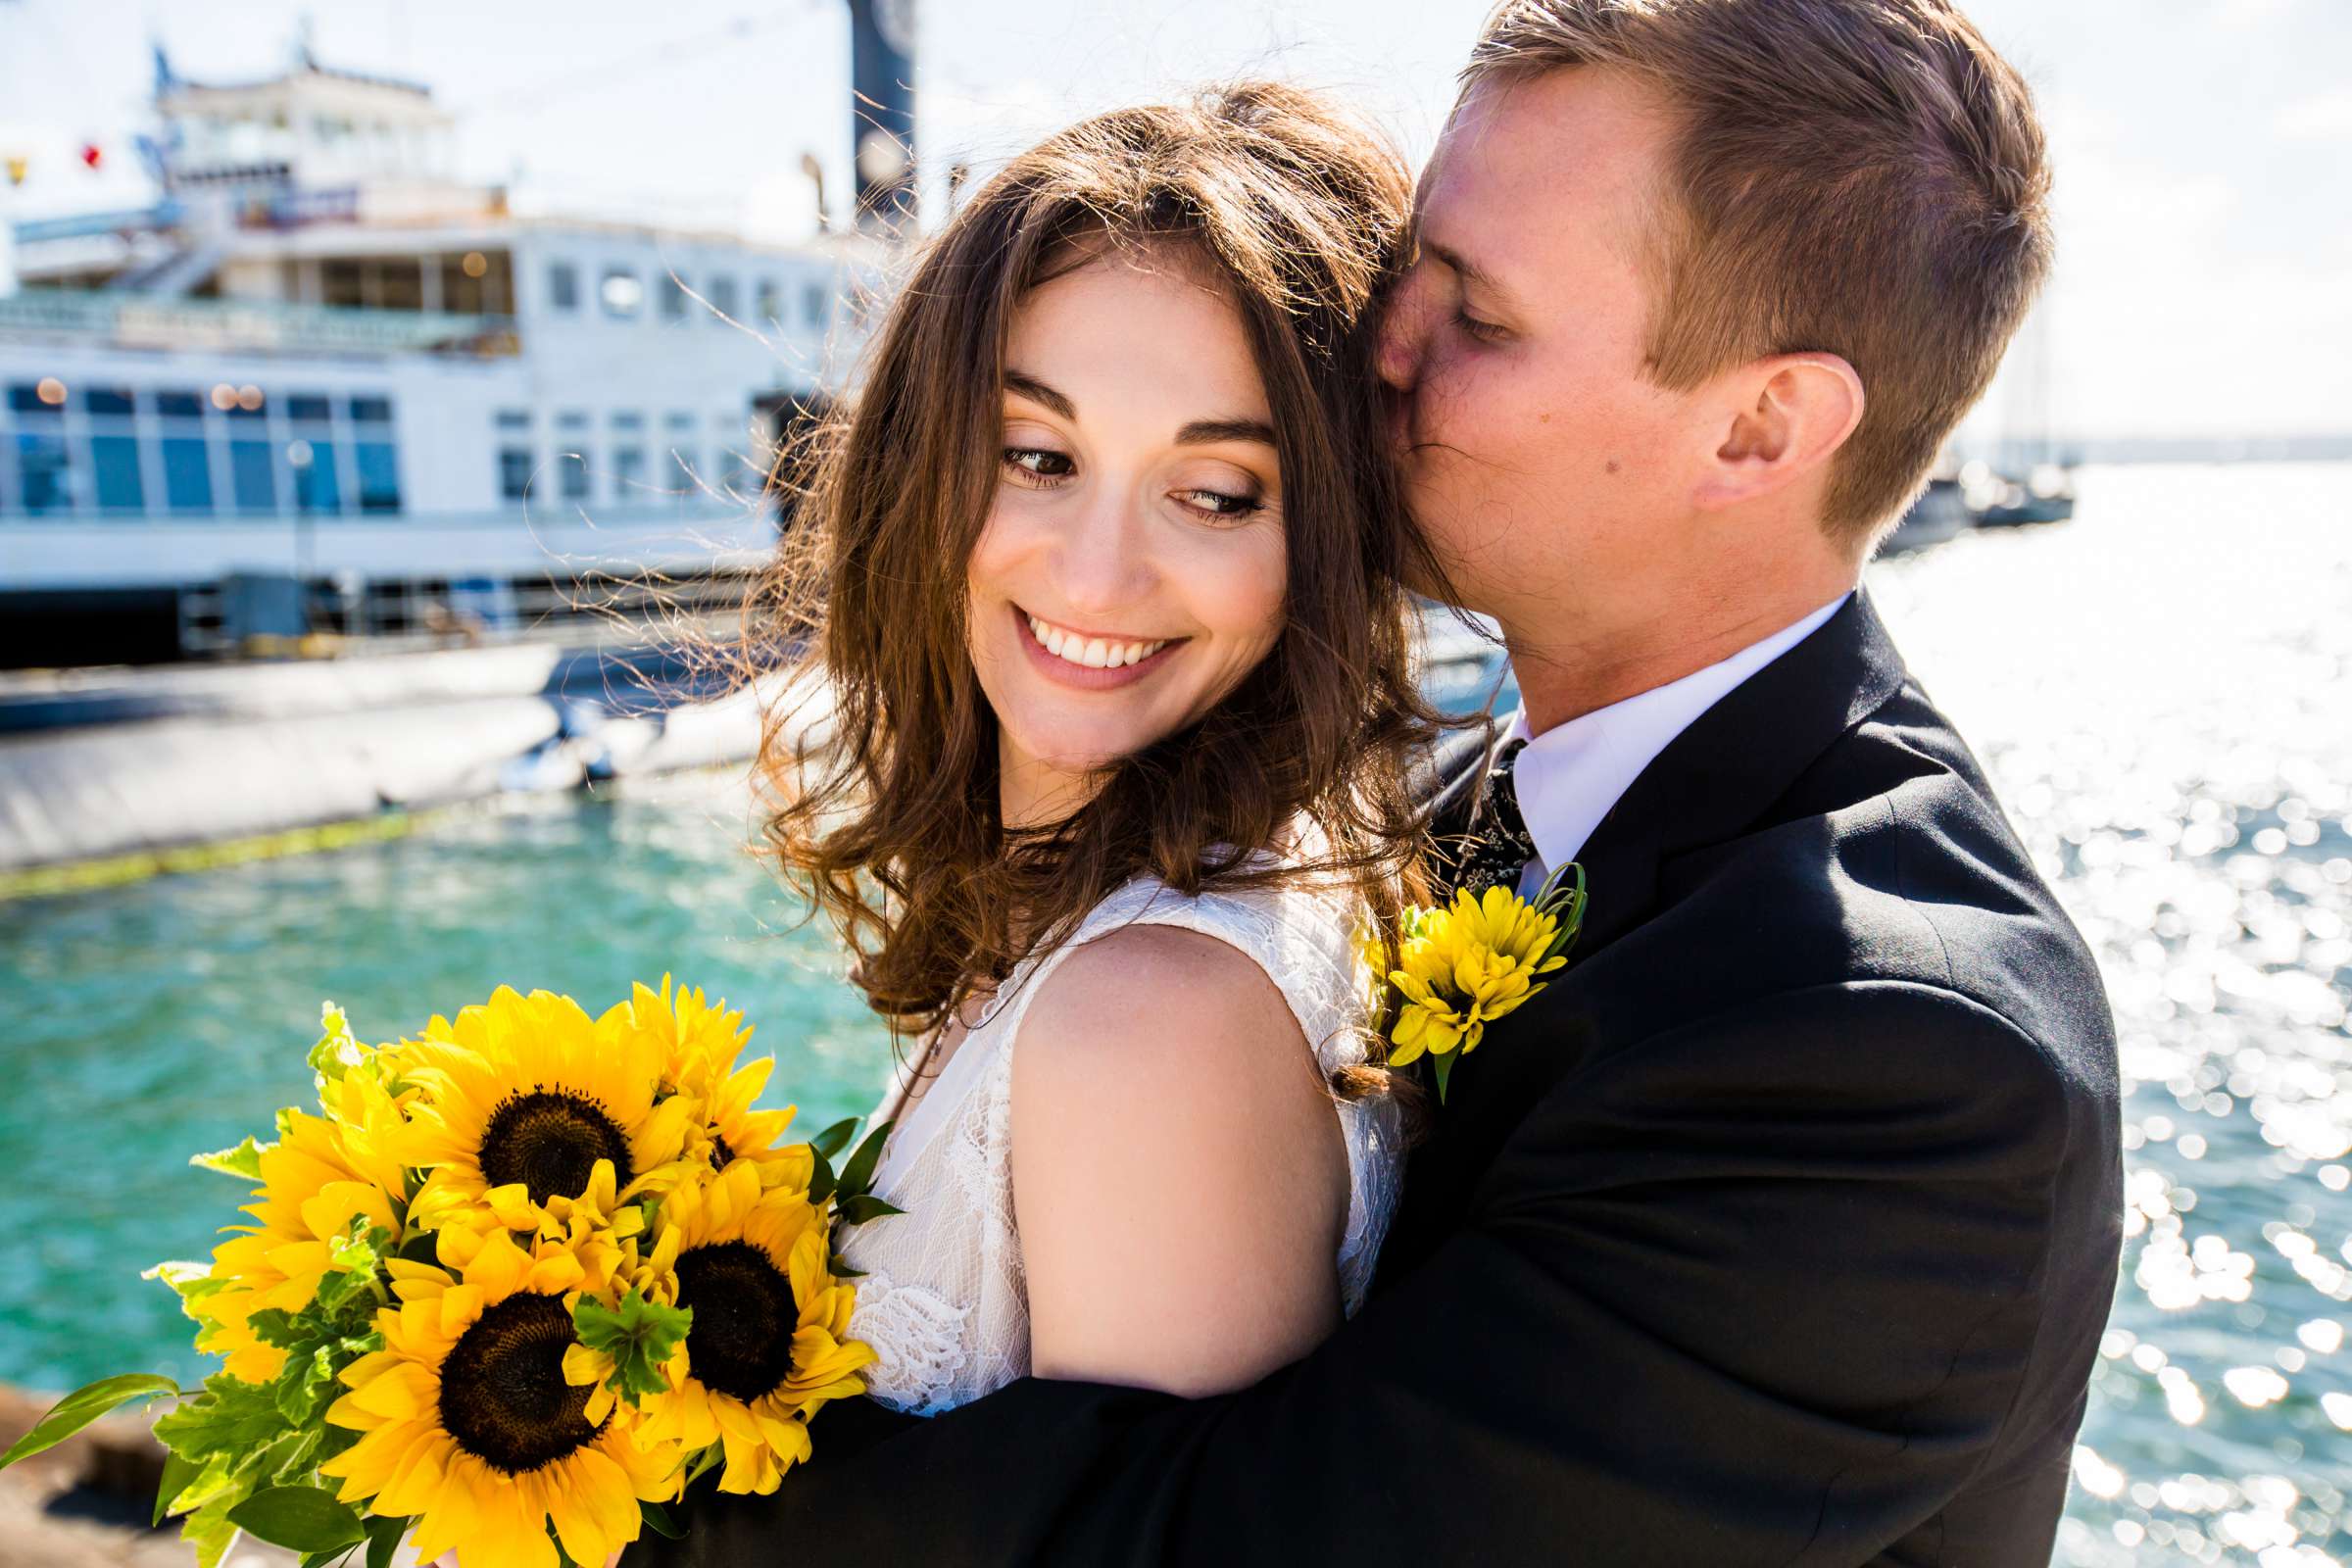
1038 462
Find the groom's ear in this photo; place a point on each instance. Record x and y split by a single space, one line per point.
1782 418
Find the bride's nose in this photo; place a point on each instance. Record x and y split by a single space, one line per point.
1103 564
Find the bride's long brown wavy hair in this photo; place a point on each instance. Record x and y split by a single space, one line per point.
892 825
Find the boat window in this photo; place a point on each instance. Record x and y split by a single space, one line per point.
514 419
378 467
514 473
107 400
721 294
180 405
187 476
813 300
629 474
768 304
44 474
623 295
575 469
628 420
316 487
563 286
42 399
571 420
251 475
306 406
674 298
115 464
677 419
372 411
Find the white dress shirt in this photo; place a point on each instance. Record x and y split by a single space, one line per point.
1570 775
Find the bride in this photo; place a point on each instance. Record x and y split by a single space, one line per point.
1103 575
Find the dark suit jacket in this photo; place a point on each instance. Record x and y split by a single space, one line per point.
1781 1229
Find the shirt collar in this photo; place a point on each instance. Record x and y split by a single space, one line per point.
1570 775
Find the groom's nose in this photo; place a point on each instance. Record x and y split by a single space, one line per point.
1403 327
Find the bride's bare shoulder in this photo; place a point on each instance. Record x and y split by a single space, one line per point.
1161 1089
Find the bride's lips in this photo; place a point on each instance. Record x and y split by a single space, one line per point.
1084 678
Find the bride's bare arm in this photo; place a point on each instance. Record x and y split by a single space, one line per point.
1179 1177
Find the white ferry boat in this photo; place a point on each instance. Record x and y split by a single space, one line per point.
321 384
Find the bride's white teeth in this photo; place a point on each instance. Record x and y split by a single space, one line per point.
1093 653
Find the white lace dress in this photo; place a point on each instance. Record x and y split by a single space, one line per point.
944 1300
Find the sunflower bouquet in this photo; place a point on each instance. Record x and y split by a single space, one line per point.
516 1284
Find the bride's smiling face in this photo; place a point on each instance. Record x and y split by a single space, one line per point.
1131 568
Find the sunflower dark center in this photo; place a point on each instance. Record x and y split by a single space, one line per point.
503 1394
744 1315
550 1139
722 1156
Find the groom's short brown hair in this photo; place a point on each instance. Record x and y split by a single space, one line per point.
1860 177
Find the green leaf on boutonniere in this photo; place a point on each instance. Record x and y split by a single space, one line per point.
1440 1067
860 1207
858 1174
833 1140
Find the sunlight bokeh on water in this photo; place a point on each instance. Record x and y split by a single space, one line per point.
2161 690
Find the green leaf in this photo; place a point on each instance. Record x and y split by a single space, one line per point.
857 1211
85 1405
1440 1067
821 1181
192 1281
179 1474
841 1270
231 1417
638 1335
659 1521
704 1461
858 1174
215 1479
209 1531
305 1519
833 1140
383 1540
328 1557
336 1052
244 1160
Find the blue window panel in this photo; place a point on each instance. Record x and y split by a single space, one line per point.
306 406
115 464
575 467
629 474
372 411
107 400
514 466
180 405
254 475
315 487
188 480
379 475
45 475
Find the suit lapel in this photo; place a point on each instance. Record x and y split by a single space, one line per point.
1710 783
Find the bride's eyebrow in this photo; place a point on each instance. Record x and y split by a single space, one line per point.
1036 391
1209 432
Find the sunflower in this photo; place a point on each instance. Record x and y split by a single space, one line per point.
467 1424
520 1100
765 1350
700 1042
1465 966
322 1175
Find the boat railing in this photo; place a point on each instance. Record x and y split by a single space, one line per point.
132 320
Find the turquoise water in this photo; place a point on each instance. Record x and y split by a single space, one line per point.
2162 691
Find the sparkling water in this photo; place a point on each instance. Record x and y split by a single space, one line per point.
2161 690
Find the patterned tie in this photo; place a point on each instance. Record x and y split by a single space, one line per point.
1500 846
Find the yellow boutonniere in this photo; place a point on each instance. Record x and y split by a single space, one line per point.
1460 967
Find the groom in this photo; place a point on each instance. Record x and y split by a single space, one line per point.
1782 1227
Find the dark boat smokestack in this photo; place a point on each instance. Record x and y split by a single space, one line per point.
882 109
